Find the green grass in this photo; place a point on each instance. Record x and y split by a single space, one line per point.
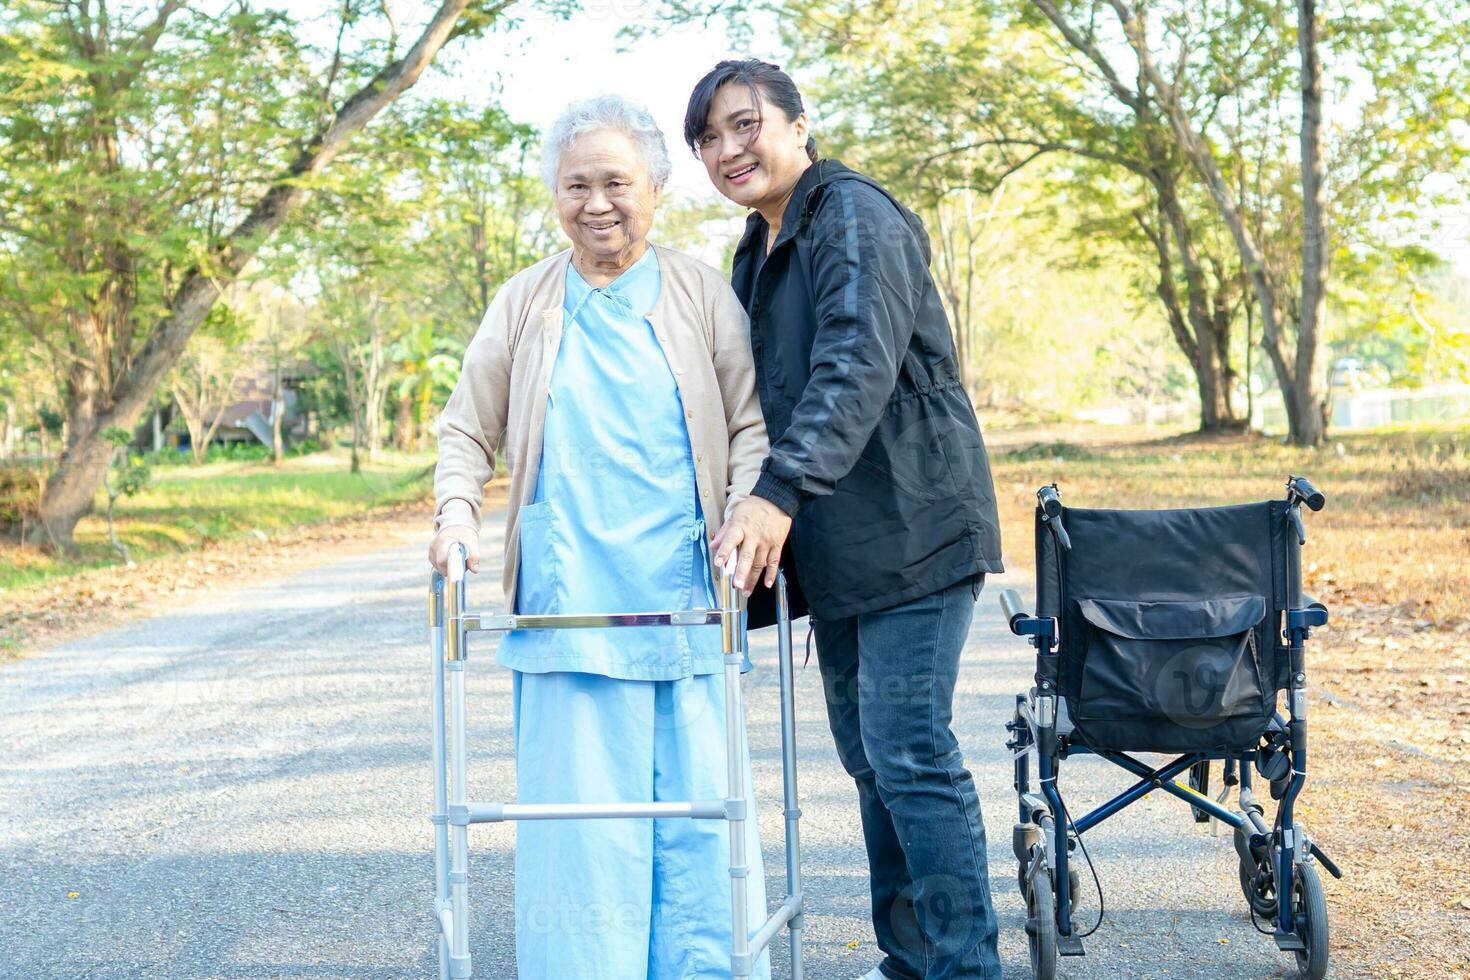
185 507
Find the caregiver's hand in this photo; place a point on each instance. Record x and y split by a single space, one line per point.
455 533
758 528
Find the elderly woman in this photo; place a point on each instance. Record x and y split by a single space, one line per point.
617 378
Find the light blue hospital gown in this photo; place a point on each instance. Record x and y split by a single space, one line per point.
623 715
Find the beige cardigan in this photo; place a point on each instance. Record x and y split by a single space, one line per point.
500 399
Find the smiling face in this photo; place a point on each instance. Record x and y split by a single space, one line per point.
753 154
605 198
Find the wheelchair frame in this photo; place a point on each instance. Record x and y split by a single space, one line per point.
1273 858
453 813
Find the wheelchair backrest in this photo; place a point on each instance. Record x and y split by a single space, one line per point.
1168 575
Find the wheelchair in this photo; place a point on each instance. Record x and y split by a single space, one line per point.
1173 632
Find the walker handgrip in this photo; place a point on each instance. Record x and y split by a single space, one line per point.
732 564
458 557
1010 604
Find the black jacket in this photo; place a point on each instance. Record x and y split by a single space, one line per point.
874 445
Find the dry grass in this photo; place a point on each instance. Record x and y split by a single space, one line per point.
1390 556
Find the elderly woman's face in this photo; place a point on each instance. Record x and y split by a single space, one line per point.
604 195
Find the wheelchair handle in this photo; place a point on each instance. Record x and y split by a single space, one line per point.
1050 500
1299 490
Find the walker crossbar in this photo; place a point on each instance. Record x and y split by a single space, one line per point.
474 622
453 813
497 812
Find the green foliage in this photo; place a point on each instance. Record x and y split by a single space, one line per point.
946 100
20 490
150 153
134 161
129 475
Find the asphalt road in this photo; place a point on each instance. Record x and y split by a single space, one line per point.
241 788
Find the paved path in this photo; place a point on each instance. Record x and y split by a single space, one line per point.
240 789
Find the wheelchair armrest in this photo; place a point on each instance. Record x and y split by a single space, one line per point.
1010 606
1040 629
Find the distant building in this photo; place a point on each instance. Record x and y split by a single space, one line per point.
247 418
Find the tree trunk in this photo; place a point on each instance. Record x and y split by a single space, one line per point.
1212 342
1309 421
1306 420
1190 324
405 435
423 416
356 440
278 409
69 491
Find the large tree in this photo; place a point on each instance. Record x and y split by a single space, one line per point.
1237 122
942 126
149 155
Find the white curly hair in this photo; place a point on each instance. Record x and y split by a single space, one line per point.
606 112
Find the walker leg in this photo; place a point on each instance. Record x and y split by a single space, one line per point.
736 795
788 772
459 857
440 812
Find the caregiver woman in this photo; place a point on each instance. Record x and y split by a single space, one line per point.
617 378
877 458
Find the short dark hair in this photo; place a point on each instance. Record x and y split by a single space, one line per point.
761 77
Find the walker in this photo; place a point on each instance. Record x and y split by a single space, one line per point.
453 812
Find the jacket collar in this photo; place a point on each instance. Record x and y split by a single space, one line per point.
798 208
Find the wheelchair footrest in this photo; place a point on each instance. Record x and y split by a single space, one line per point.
1070 945
1289 942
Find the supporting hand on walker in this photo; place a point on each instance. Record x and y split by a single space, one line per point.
758 528
455 534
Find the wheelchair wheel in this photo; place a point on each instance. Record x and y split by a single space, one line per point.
1259 888
1199 781
1041 927
1074 881
1309 917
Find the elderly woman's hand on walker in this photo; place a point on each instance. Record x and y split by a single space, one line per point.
758 528
449 536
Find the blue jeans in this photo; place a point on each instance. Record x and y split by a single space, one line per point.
889 678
